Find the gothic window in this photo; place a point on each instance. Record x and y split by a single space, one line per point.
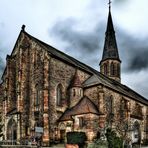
105 69
59 95
81 122
12 129
138 109
110 104
109 108
7 83
74 92
34 59
124 104
124 108
37 97
112 69
136 132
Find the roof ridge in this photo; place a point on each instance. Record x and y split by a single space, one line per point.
63 53
87 68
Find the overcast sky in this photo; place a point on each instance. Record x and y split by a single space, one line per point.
77 27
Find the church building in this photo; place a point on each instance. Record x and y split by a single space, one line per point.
47 93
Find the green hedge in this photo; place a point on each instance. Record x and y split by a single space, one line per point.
76 138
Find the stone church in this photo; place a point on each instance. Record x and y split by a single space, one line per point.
46 92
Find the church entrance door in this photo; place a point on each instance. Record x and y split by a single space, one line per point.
136 134
63 135
12 130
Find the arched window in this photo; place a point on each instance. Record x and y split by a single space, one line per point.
37 97
118 69
109 109
124 108
136 134
110 104
112 69
105 69
59 95
81 122
74 92
138 109
12 130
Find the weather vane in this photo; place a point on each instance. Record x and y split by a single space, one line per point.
109 4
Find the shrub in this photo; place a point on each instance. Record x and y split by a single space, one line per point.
98 144
76 138
113 140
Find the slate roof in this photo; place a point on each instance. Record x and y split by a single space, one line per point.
96 76
110 50
84 106
114 85
76 81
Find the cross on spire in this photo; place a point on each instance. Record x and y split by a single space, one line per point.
109 3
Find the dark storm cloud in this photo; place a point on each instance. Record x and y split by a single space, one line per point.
134 52
79 40
139 61
87 46
83 45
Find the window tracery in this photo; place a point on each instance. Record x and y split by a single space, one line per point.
112 69
37 98
105 69
124 108
59 95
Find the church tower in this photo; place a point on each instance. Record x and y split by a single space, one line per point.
110 63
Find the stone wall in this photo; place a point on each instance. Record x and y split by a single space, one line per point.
60 73
30 83
116 117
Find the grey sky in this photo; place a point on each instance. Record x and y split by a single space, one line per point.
77 27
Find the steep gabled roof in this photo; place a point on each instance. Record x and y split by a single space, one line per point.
84 106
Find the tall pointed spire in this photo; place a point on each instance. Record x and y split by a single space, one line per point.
110 45
110 51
